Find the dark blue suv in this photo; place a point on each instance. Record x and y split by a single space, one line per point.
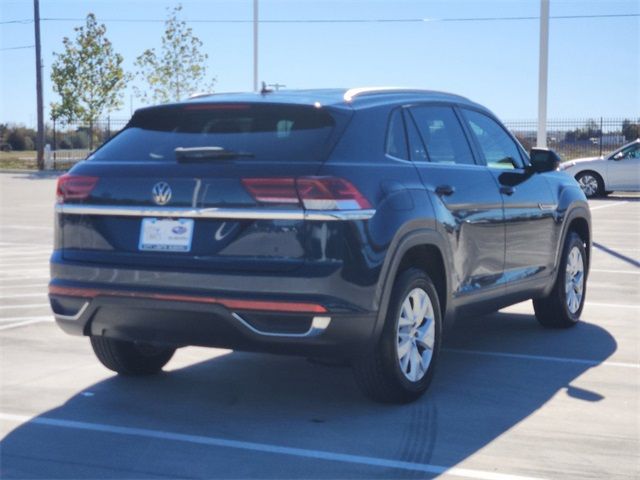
325 223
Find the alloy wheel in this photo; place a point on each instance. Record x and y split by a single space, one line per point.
574 280
416 335
588 184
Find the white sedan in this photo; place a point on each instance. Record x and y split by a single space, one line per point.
618 171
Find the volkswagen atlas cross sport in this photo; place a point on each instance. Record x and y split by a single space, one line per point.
352 225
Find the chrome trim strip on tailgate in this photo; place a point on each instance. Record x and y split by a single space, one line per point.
223 213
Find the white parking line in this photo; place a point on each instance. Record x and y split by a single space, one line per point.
623 272
542 358
25 270
607 205
25 322
31 305
42 294
28 227
23 277
28 285
262 447
17 244
42 263
613 305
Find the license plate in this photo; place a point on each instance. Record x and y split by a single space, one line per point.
166 235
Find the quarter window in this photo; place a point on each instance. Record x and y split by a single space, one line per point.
442 135
498 148
396 138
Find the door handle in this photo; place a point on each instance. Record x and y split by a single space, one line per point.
445 190
507 190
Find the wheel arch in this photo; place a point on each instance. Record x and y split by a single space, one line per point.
423 248
577 219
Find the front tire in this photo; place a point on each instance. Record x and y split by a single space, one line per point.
129 358
563 306
400 367
591 184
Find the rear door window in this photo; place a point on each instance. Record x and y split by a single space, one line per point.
267 132
442 135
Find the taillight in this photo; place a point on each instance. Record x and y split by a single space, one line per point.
272 190
74 187
329 193
315 193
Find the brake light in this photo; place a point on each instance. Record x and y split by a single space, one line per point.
315 193
272 190
74 187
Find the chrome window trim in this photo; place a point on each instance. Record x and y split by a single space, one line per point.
219 213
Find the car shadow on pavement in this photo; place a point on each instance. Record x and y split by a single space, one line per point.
286 401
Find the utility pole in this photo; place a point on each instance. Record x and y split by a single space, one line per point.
40 108
543 74
255 45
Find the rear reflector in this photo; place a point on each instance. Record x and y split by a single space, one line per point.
315 193
230 303
74 187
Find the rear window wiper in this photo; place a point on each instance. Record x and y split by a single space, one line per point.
200 154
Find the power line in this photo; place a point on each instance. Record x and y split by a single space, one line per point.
17 48
25 21
339 21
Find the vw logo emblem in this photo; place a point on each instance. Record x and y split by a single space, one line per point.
161 193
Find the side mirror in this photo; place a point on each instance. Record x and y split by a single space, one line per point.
618 156
543 160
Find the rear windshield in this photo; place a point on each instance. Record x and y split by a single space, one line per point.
256 131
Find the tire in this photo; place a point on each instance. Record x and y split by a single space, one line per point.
591 184
128 358
563 306
383 374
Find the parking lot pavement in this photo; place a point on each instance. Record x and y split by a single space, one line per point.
510 399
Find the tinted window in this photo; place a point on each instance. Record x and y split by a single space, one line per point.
265 132
498 148
417 152
396 138
442 135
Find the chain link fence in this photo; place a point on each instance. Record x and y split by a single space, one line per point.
571 138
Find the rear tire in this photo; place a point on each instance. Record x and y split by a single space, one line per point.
400 367
129 358
563 306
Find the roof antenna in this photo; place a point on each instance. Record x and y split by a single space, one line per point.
264 90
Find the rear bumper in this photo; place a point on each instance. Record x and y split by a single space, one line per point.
152 312
186 323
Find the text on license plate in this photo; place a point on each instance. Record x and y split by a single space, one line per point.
166 235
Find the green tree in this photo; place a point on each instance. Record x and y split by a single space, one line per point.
177 69
88 75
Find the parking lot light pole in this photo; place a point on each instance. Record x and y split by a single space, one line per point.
39 102
255 45
543 74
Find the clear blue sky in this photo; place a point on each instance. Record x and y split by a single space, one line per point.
594 65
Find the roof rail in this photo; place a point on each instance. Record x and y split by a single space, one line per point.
352 93
200 94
